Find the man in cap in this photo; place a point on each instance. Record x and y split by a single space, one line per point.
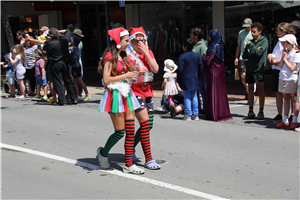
57 53
243 37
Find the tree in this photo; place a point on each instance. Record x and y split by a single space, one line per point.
5 21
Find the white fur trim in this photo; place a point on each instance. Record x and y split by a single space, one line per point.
118 46
123 33
133 36
123 88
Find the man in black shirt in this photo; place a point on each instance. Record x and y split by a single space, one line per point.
57 53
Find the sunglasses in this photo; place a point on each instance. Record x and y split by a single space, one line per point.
137 41
279 29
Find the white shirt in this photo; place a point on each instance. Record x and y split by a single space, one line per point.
277 53
285 73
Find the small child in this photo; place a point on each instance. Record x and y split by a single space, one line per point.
288 77
18 62
40 74
74 64
170 83
10 76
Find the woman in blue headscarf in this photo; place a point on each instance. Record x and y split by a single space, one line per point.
216 107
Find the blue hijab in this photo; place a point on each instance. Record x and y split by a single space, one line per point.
216 44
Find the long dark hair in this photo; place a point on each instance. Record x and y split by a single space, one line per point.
112 48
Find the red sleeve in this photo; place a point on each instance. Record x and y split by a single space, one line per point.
108 56
151 54
131 61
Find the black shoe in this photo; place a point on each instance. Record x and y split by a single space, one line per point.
291 118
58 104
278 117
251 115
74 102
260 116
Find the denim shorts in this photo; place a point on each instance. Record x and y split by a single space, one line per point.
39 80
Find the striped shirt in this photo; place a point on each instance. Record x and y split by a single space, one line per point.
29 56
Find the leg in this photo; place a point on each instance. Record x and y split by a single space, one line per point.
187 102
68 83
12 90
129 139
251 95
287 99
38 90
261 93
57 82
75 85
195 110
292 107
202 90
279 102
80 81
22 87
45 91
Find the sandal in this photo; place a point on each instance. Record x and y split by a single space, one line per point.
152 165
103 161
133 170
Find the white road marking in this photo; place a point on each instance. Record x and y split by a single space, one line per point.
115 172
232 106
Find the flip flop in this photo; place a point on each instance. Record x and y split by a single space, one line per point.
133 170
152 165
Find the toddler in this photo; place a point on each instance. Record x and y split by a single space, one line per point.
10 76
170 82
40 74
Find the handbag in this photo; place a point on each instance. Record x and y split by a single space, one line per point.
236 74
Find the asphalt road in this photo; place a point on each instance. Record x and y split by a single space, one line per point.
49 152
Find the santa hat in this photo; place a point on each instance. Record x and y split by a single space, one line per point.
137 34
116 34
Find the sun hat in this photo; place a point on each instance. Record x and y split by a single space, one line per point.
170 66
247 22
295 23
75 40
78 32
289 38
44 28
116 35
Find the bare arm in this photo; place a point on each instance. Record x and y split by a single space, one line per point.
152 63
164 83
237 54
13 61
107 78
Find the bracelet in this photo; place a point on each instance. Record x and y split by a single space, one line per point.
125 76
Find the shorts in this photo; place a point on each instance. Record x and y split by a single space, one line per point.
76 72
147 103
39 80
242 66
254 78
20 72
275 80
297 98
287 87
10 77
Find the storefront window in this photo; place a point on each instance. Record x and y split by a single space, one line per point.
167 24
269 14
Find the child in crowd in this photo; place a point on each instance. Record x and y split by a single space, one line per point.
170 83
288 76
189 68
40 74
10 76
18 62
75 66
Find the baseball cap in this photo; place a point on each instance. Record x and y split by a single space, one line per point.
247 22
44 28
295 23
289 38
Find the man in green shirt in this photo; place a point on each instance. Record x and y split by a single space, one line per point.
256 52
243 37
78 33
200 48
